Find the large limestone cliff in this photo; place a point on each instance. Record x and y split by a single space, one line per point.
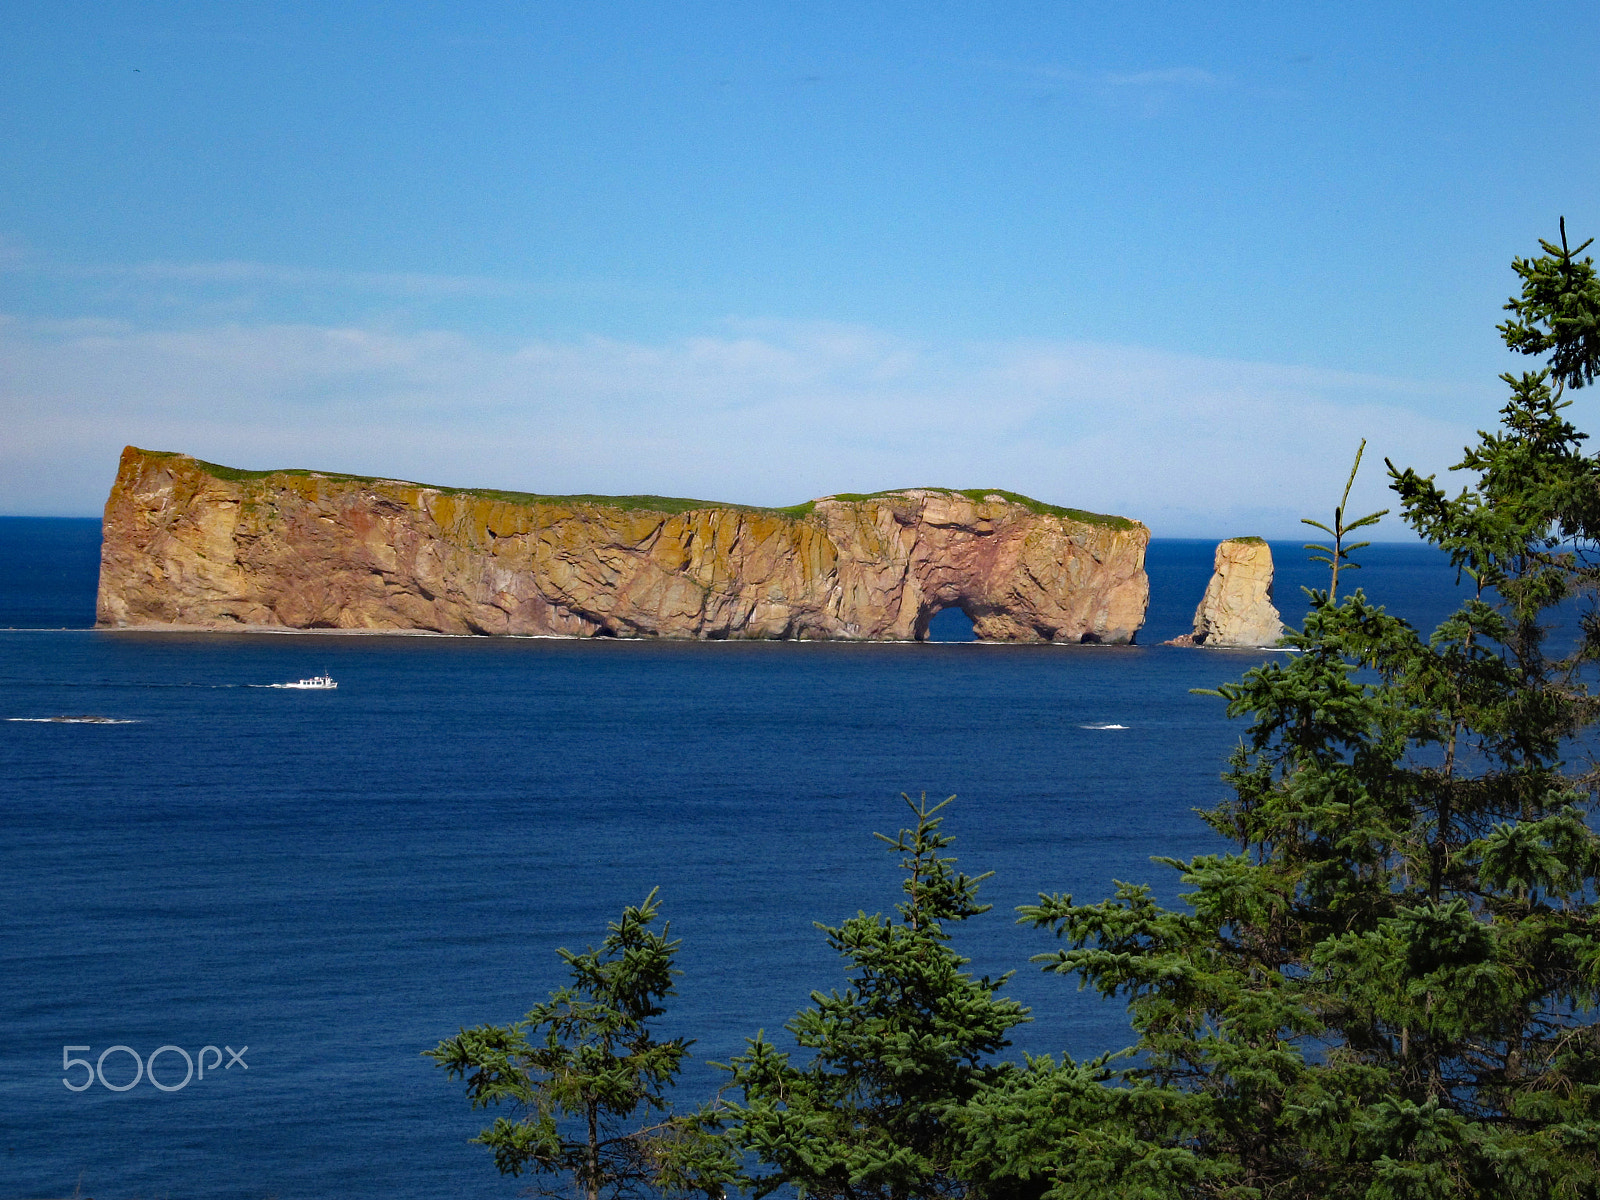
1237 607
194 545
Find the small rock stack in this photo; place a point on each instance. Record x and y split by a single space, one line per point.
1237 607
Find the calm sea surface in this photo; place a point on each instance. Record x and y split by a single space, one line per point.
328 883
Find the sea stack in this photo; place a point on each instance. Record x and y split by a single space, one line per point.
192 545
1237 608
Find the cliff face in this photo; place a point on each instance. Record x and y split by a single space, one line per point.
190 544
1237 607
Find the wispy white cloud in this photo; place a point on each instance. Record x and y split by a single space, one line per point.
1147 93
237 272
13 253
1113 85
1171 77
1165 77
758 412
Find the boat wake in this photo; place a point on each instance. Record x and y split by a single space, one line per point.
84 720
1107 726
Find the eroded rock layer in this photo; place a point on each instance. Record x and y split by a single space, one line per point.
194 545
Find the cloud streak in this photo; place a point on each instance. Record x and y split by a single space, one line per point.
239 272
1147 93
763 412
1169 77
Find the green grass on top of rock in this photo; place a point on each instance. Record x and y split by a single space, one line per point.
662 504
1027 502
1249 541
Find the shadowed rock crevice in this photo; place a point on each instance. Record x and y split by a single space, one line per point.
193 545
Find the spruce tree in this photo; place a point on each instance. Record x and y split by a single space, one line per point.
588 1077
874 1114
1389 988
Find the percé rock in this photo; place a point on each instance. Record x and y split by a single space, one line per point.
1237 607
192 545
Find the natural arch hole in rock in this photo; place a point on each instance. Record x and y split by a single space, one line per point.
950 625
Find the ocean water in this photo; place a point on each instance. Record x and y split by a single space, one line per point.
327 883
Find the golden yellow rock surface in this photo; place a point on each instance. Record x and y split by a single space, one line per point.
1237 607
190 545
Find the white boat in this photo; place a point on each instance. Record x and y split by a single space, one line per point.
319 683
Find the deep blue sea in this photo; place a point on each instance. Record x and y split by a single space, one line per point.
327 883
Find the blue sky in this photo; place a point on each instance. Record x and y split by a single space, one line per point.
1171 261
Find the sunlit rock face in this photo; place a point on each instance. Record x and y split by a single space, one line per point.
190 544
1237 607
